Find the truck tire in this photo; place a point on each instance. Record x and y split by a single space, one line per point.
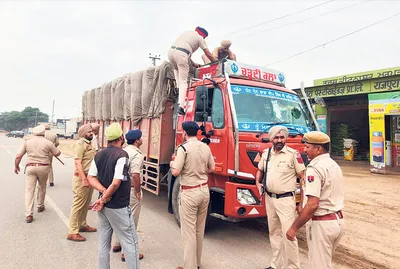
175 199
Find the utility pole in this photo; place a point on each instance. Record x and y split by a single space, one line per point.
52 113
35 120
154 58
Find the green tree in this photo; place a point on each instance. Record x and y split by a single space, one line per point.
16 120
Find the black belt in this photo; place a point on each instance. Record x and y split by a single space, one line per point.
282 195
181 49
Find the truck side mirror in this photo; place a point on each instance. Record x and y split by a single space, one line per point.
201 97
201 102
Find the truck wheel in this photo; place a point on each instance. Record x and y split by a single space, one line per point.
176 200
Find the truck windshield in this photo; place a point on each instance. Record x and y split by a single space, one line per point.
258 109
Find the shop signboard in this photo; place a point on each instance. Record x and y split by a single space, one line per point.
380 104
381 73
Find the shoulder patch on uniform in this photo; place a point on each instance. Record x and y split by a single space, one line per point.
80 142
310 179
181 146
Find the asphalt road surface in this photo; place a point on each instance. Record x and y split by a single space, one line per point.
42 244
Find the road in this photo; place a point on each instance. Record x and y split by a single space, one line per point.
43 244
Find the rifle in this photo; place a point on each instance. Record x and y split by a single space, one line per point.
264 182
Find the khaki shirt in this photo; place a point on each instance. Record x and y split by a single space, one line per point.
49 135
83 151
38 150
283 168
324 179
194 162
191 41
136 159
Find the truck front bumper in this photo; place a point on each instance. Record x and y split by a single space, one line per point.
243 201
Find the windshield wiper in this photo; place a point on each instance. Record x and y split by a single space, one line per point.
278 123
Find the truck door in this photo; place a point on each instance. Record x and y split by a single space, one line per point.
215 123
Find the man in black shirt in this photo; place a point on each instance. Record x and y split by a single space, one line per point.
109 175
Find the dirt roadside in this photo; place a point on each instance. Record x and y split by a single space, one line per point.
372 218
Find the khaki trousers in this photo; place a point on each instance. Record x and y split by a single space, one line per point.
80 205
180 63
35 174
51 174
135 204
281 215
193 213
323 237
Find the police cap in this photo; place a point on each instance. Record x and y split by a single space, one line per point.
316 137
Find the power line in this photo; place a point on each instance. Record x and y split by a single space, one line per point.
336 39
284 16
303 20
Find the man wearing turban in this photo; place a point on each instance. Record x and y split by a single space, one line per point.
109 174
282 165
179 55
136 158
221 52
38 150
83 156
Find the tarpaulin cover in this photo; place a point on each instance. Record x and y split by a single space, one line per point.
99 103
106 107
127 96
138 95
84 105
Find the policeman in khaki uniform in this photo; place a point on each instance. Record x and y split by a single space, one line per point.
193 163
136 158
284 166
49 135
38 150
83 156
325 201
179 55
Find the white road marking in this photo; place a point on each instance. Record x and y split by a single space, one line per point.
58 210
50 201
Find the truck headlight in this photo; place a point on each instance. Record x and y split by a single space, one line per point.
246 197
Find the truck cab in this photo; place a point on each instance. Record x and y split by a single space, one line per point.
236 104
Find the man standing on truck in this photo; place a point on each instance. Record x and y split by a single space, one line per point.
49 135
109 174
38 151
221 52
325 201
283 165
179 55
134 141
83 156
193 162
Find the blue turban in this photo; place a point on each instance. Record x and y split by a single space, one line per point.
133 135
190 127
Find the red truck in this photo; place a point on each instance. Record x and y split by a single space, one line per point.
235 104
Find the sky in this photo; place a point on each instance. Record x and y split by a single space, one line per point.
55 50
